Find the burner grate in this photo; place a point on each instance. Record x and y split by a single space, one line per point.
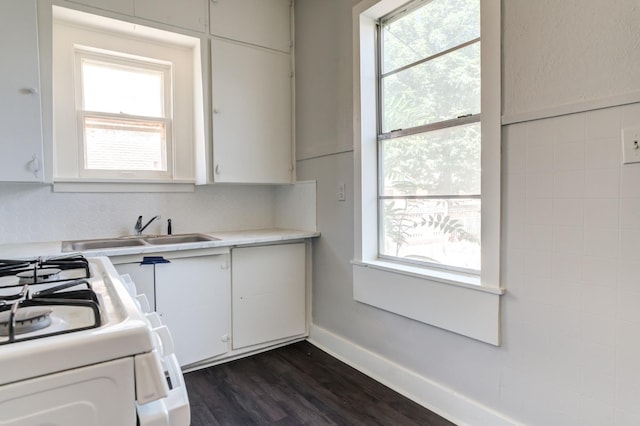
44 269
84 299
25 311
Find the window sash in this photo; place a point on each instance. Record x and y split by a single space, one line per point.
122 60
427 58
459 121
165 120
397 133
406 225
395 15
166 148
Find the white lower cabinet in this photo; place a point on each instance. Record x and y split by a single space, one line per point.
144 278
192 299
268 293
191 294
220 303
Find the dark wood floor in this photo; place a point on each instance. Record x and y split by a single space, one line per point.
297 385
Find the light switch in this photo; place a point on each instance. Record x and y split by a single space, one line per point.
631 145
342 194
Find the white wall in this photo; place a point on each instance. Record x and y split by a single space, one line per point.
560 52
571 224
32 213
324 115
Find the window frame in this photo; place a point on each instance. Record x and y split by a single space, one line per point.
124 60
464 303
133 37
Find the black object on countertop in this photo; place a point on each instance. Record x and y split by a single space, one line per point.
168 226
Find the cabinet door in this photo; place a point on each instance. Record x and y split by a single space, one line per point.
20 112
120 6
252 126
261 22
190 14
193 299
268 293
143 278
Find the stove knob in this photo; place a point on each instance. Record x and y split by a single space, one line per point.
167 341
149 378
128 284
154 319
144 303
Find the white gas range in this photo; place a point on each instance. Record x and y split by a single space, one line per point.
77 348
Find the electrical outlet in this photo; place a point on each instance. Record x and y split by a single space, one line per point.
631 145
342 192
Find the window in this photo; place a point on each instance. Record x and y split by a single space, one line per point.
124 114
429 134
427 162
129 110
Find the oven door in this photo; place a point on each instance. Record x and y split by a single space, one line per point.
97 395
172 410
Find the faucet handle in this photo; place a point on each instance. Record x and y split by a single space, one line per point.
138 225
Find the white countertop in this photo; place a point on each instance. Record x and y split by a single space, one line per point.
225 239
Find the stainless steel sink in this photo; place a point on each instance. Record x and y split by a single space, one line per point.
101 244
111 243
179 239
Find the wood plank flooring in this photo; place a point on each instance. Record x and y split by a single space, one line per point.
297 385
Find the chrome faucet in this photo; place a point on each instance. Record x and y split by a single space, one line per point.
139 228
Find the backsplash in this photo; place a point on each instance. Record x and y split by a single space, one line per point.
32 213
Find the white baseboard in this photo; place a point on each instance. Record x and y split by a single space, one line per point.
437 398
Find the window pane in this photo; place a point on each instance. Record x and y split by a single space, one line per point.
441 162
444 88
119 89
444 231
112 144
435 27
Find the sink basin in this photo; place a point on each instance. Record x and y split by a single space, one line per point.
107 243
101 244
179 239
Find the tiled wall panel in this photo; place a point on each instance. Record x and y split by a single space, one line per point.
572 271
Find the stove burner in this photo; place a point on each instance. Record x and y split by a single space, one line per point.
64 263
37 296
27 319
39 275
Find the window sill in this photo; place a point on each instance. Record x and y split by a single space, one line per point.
469 281
450 301
119 186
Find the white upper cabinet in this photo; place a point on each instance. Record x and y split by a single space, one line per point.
252 124
190 14
120 6
20 109
261 22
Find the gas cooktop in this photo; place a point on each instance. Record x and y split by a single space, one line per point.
45 297
65 312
